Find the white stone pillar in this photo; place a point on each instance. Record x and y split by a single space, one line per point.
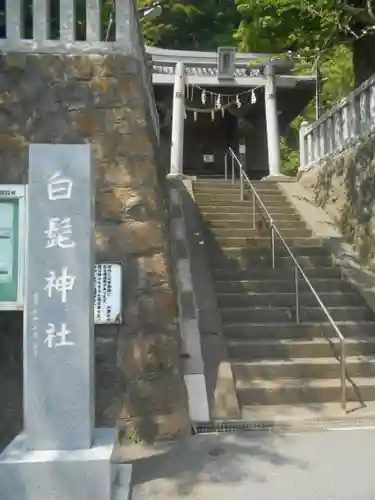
14 25
93 20
330 136
345 124
41 20
273 135
178 122
372 104
59 455
67 21
303 145
364 111
337 130
353 118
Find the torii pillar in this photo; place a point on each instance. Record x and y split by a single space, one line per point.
178 123
272 124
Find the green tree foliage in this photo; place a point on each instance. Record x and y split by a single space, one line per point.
274 25
310 28
192 25
317 32
338 76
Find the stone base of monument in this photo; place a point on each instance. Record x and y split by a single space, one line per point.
58 474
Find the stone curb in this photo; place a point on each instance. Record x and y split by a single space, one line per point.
218 371
188 315
121 489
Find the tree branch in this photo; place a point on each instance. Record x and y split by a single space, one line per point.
369 10
365 15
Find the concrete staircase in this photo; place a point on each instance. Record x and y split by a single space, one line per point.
282 369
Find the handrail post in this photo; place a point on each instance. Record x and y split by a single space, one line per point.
343 374
254 212
241 186
226 166
232 169
296 282
273 246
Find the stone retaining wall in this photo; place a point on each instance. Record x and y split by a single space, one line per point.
344 187
101 99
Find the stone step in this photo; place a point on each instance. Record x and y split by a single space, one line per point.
241 260
290 391
235 232
281 205
262 253
271 369
287 299
235 273
260 241
219 187
252 349
235 195
292 331
220 184
309 314
216 214
320 285
247 223
208 187
204 176
269 199
225 213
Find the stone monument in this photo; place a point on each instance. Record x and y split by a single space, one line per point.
59 455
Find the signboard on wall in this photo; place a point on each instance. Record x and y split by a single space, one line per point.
208 158
13 228
108 292
12 248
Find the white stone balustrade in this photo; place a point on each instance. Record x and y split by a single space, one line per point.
125 36
125 14
351 119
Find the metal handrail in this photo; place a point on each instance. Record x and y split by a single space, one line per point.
297 268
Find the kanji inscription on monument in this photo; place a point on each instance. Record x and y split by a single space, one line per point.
59 307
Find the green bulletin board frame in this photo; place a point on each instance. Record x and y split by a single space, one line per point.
12 289
9 289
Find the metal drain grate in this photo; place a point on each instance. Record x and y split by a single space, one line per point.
236 426
232 426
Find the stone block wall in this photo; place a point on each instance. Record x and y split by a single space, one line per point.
344 186
102 99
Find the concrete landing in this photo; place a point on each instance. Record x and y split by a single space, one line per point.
334 465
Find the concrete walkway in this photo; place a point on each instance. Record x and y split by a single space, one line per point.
330 465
